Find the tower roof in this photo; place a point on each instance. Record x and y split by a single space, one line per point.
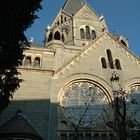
73 6
18 125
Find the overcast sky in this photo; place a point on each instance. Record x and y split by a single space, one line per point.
122 17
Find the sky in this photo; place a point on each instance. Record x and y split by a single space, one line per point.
122 17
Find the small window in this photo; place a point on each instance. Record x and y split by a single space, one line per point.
109 56
87 32
50 37
82 33
63 38
104 137
80 136
27 62
103 61
61 19
57 35
96 136
63 124
88 136
63 136
58 22
117 64
37 62
71 136
122 41
65 19
93 34
111 136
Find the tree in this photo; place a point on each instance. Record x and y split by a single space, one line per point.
122 123
16 16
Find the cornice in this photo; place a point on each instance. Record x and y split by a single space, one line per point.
51 72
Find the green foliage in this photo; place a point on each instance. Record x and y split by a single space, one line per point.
16 16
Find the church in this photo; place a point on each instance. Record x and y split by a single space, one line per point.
67 92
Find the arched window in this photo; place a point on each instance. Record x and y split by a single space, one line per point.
63 38
50 37
109 56
57 35
103 61
87 32
27 62
36 62
82 33
58 22
61 19
117 64
93 34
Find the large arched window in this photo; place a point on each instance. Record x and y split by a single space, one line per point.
50 36
93 34
82 33
27 62
109 56
57 35
87 32
117 64
103 61
36 62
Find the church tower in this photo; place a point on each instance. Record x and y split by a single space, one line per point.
71 83
76 15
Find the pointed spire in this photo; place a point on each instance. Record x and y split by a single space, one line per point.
73 6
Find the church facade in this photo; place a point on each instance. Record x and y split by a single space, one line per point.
67 89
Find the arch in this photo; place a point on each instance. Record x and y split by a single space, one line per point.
86 77
93 34
88 32
57 35
72 97
36 62
117 64
103 61
109 56
82 33
131 82
50 36
27 62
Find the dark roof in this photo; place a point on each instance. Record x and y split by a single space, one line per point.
20 126
73 6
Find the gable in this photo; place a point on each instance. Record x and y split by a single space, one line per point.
86 13
89 60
